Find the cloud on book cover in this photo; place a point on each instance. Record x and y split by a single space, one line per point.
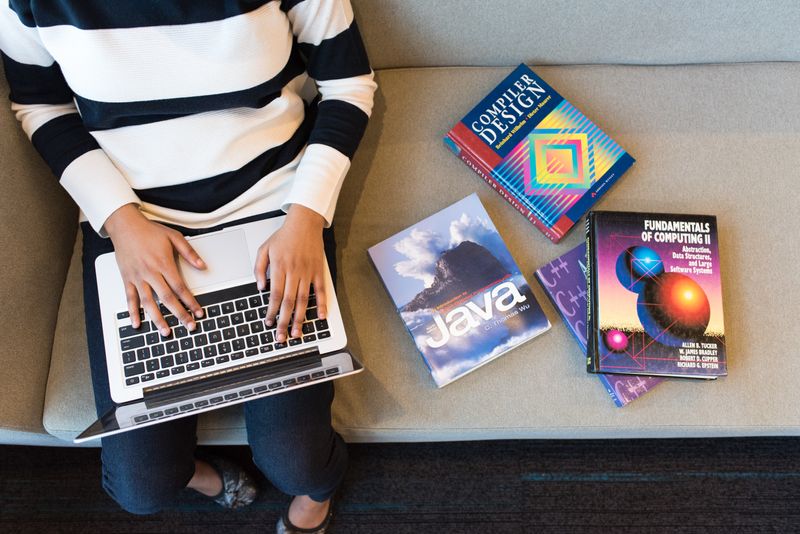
423 248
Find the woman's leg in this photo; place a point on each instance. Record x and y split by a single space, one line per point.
294 444
144 469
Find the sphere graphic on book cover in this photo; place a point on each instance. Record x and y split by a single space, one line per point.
636 265
671 307
616 340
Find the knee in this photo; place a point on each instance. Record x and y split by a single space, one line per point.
303 468
143 489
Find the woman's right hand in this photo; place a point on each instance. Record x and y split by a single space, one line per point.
146 256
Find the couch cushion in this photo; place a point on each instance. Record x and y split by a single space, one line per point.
708 139
38 224
422 33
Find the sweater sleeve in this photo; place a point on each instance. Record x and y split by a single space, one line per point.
336 60
44 105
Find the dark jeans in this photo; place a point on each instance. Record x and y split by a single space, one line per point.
290 434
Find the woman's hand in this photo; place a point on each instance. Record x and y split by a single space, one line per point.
295 256
145 252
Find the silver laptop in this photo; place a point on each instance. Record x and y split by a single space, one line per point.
232 357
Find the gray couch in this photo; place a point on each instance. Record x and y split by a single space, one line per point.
705 95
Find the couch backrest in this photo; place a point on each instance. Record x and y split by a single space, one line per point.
417 33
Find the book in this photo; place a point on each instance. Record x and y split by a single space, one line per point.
655 295
538 151
458 290
564 283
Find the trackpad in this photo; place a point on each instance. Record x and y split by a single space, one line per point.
226 257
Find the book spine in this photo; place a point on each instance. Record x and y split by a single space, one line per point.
591 334
484 171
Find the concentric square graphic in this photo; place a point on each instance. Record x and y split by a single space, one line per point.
559 163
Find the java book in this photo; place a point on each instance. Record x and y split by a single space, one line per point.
564 282
655 295
458 290
538 151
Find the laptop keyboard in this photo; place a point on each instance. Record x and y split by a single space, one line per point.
232 328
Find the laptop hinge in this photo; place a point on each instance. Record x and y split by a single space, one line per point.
250 371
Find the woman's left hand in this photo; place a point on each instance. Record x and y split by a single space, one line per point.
295 255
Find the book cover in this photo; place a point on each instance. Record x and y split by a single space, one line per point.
655 295
564 282
538 152
458 290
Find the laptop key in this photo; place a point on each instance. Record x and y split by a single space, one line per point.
172 347
259 389
237 355
266 348
213 311
201 340
186 343
242 330
143 354
227 307
162 374
140 419
171 411
279 346
130 343
238 344
275 385
182 357
125 315
193 366
303 379
311 314
209 324
132 381
266 337
228 333
223 348
171 320
216 400
250 352
128 357
178 370
252 341
333 371
156 415
257 327
215 337
231 396
148 377
167 361
295 341
318 374
181 332
262 312
207 363
210 351
241 304
151 338
309 338
222 359
134 369
158 350
186 407
224 321
196 355
128 331
308 328
201 403
323 335
251 315
152 365
237 318
290 382
321 324
255 301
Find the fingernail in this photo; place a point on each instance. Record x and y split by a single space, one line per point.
280 338
199 313
192 326
322 315
201 263
268 322
165 332
260 286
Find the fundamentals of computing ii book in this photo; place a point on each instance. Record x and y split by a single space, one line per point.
655 295
458 290
538 151
564 281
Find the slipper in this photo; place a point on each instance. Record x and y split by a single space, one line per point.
285 526
238 489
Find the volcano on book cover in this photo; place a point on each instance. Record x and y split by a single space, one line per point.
655 295
458 290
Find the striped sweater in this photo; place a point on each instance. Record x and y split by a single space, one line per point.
193 109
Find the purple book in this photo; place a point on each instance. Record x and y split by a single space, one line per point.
564 281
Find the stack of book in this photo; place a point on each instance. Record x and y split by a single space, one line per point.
642 296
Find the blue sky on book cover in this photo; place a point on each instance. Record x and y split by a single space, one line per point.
458 289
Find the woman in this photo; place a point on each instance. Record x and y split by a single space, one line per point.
163 118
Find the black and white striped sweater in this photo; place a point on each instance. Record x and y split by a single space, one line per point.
190 108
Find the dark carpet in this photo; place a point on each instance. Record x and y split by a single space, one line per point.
627 486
